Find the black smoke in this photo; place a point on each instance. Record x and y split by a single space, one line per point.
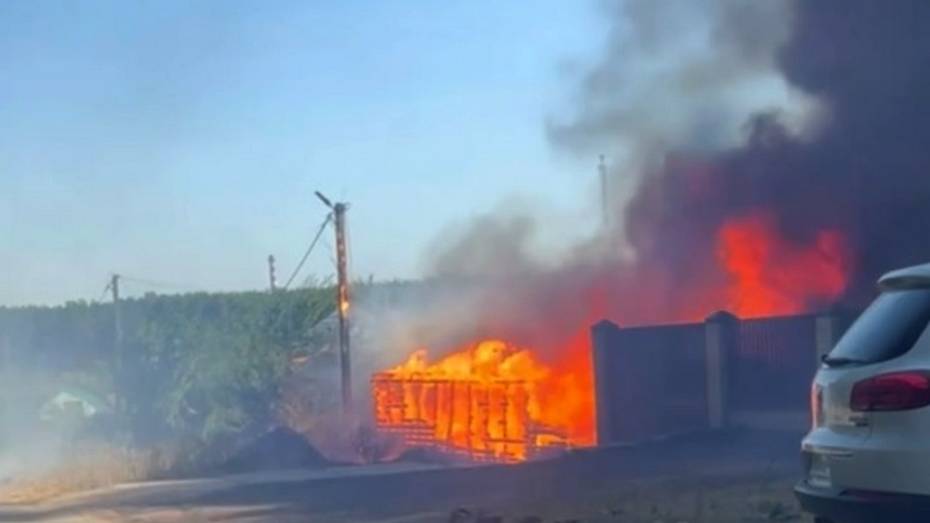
847 149
862 165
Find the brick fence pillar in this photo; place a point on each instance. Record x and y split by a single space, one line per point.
827 331
720 338
602 338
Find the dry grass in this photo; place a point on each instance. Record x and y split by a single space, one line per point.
339 439
86 468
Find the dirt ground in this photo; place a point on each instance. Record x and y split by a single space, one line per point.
724 478
713 500
746 498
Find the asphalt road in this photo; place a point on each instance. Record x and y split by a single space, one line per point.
412 492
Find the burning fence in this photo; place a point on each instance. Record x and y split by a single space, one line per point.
488 401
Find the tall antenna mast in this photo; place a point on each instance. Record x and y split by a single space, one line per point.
605 211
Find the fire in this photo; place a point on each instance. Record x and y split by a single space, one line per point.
496 400
771 275
488 400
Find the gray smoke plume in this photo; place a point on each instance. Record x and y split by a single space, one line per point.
491 245
674 75
813 112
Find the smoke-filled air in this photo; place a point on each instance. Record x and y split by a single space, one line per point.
764 158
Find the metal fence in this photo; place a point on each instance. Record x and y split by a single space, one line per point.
665 379
649 380
773 363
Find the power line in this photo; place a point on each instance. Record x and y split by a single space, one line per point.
287 308
309 250
106 288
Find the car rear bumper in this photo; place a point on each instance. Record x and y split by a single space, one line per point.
849 507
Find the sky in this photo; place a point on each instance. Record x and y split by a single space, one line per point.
180 142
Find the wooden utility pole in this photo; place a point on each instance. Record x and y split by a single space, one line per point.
342 295
272 280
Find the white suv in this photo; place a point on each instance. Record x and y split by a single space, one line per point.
867 456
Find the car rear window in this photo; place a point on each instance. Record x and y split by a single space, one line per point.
887 329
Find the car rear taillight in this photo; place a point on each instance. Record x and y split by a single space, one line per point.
816 405
893 391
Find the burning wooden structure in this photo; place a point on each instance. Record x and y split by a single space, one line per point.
484 403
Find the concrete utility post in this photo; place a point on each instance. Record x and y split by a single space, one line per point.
272 279
117 341
342 298
117 317
602 171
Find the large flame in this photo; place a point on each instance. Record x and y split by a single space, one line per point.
770 275
491 399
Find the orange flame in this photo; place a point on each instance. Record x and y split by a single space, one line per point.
489 400
770 275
